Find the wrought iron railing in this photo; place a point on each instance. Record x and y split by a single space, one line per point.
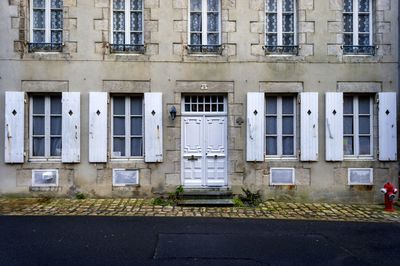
204 49
127 48
359 49
282 49
44 47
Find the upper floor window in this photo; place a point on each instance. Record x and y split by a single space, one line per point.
46 25
205 26
127 26
357 23
281 27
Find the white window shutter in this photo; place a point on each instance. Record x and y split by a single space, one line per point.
71 127
255 126
334 126
98 127
14 127
309 126
387 126
153 128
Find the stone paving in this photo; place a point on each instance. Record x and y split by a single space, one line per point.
143 207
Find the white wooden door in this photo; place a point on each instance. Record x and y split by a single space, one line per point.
204 161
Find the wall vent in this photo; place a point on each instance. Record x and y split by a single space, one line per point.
360 176
45 178
282 176
125 177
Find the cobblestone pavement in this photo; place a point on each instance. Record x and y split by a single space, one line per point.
141 207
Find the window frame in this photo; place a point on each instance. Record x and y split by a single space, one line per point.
371 177
33 184
356 135
127 47
47 129
280 48
115 184
48 45
204 46
354 47
281 183
197 113
127 135
279 135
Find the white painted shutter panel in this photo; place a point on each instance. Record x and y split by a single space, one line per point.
14 127
309 126
98 127
71 124
153 128
334 126
387 126
255 126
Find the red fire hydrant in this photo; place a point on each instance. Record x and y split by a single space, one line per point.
390 193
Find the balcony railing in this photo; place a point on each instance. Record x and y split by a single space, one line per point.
204 49
281 49
127 48
359 49
44 47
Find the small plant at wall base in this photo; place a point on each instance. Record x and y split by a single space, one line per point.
174 197
80 195
160 201
249 198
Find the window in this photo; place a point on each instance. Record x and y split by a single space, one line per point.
204 26
357 22
45 178
280 126
204 104
357 126
127 126
46 25
127 26
46 126
125 177
280 27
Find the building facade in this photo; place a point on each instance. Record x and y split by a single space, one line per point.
132 98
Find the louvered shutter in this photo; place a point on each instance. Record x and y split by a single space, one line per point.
309 126
334 126
14 127
153 132
70 127
98 127
387 126
255 126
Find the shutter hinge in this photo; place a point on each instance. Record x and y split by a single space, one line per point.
299 99
108 154
25 101
108 100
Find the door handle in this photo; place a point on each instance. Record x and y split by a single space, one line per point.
192 158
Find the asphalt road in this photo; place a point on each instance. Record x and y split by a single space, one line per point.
194 241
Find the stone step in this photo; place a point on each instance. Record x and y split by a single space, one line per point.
206 202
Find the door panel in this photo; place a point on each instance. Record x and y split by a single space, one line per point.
215 143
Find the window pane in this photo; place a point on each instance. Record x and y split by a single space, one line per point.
212 5
364 125
118 38
55 146
38 19
119 126
348 105
348 5
38 3
55 105
365 146
287 127
136 38
271 105
38 36
287 105
136 4
288 39
195 39
38 125
288 5
271 125
271 146
364 105
119 105
348 146
119 21
56 36
56 19
38 105
348 125
288 143
272 40
288 23
136 126
212 21
271 6
363 40
119 147
136 106
136 147
195 5
38 146
119 4
348 39
272 23
348 22
363 5
55 126
56 3
136 21
363 23
212 38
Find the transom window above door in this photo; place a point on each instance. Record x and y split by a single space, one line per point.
204 26
46 25
127 26
280 27
204 104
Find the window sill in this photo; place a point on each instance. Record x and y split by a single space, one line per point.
45 160
267 158
44 188
361 159
116 160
